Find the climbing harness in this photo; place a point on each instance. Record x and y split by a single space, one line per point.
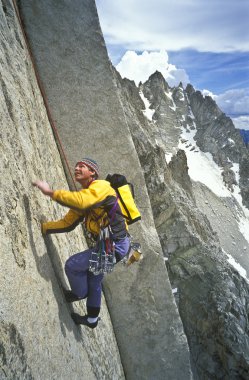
103 260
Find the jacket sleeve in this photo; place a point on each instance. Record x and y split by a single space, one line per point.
94 195
67 224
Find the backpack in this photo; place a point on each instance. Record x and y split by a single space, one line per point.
126 195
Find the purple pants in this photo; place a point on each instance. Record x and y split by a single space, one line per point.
84 283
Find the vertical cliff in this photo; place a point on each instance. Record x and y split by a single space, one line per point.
36 328
38 339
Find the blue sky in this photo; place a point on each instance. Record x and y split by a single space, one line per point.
205 43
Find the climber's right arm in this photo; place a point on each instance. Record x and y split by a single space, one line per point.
67 224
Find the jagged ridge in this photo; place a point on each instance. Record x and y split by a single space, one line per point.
211 294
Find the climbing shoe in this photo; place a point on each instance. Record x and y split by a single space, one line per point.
70 296
82 320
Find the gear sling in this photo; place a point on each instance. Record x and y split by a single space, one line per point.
103 260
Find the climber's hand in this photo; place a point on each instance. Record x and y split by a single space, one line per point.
44 187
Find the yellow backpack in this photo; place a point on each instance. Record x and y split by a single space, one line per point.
125 192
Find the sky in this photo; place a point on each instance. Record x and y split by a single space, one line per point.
205 43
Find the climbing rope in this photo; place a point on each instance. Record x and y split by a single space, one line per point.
51 121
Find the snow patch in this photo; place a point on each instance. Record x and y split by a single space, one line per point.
168 157
148 112
237 266
244 227
202 167
169 95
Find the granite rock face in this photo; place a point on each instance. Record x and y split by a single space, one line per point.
78 81
38 339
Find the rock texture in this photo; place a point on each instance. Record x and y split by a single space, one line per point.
38 339
76 74
210 293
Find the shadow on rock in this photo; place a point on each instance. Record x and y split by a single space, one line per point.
49 266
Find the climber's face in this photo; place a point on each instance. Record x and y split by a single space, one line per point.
83 174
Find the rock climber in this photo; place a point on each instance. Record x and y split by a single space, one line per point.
96 205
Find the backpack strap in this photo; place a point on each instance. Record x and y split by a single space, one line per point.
111 213
113 210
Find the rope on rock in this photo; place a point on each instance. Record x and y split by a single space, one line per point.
51 121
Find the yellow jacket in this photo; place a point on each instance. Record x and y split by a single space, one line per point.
97 206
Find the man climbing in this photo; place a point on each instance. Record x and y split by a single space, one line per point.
97 205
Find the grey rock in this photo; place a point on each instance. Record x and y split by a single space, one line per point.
179 169
12 347
38 339
72 61
167 125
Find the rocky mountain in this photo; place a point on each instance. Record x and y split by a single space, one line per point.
199 231
216 134
182 312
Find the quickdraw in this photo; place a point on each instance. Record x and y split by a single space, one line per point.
103 260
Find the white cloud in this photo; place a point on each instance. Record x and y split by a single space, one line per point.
234 103
139 67
207 93
211 26
241 122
